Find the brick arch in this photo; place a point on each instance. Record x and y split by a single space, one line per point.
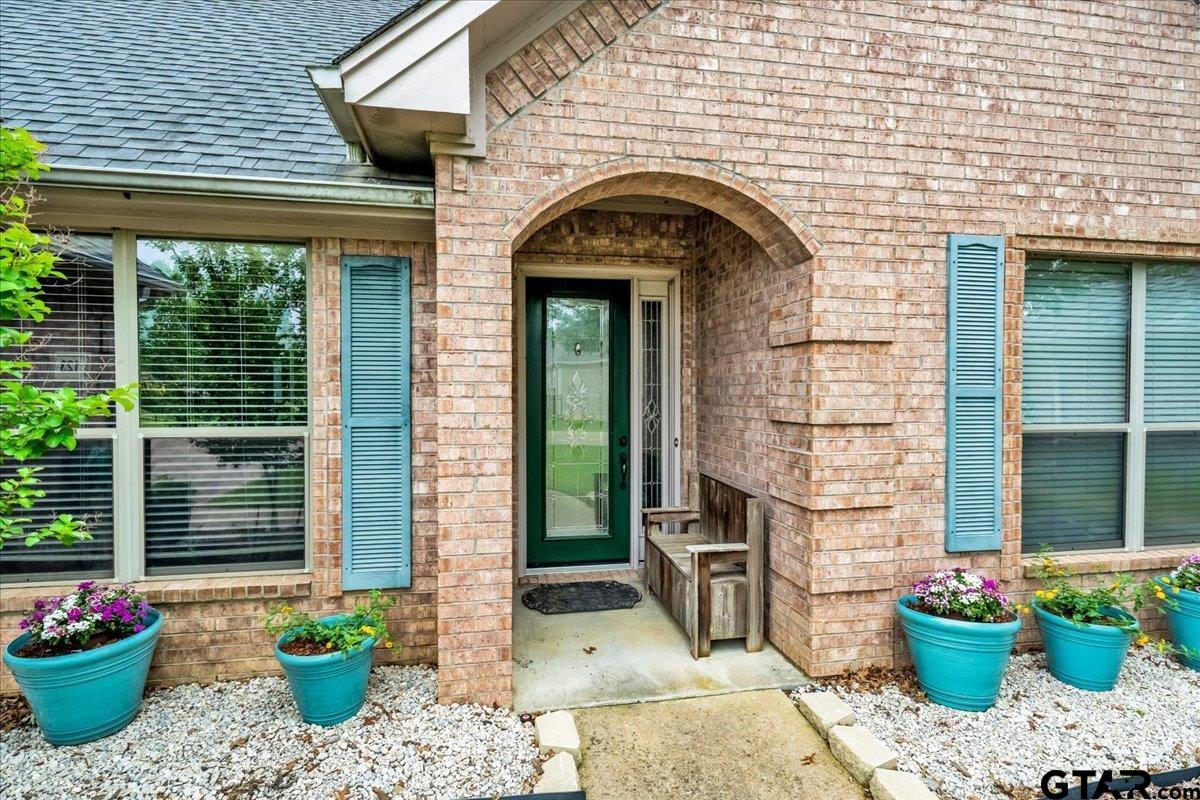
785 238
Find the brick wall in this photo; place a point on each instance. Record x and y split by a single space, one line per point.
214 629
860 134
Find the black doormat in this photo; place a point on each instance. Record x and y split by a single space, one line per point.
573 598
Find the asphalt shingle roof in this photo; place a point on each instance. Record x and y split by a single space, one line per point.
214 87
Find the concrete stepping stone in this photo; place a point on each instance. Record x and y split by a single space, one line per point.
889 784
558 775
860 752
556 733
823 710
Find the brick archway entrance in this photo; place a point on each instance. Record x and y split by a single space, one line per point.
771 223
478 233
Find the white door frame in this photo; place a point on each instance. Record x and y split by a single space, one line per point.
653 280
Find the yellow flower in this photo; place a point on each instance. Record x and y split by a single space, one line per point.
368 630
388 645
1160 595
1165 580
1039 594
1175 589
1141 640
329 645
287 609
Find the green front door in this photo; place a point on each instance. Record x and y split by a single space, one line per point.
577 418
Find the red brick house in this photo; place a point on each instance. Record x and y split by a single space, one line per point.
923 275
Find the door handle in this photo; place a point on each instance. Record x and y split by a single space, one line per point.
624 468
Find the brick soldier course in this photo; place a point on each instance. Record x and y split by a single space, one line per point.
832 148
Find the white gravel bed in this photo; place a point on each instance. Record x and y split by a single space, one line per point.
1151 720
246 740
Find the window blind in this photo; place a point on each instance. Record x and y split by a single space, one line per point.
1172 487
79 483
73 345
221 339
223 504
1072 491
1172 392
1076 342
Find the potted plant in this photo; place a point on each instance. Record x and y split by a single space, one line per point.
961 630
1086 632
1179 598
327 661
82 660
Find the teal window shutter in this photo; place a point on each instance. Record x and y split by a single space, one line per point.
974 392
376 423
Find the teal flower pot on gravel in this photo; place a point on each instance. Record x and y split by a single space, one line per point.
959 664
81 697
1184 623
328 688
1084 656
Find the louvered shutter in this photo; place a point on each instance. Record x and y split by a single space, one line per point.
376 423
973 392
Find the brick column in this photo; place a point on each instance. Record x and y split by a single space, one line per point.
475 447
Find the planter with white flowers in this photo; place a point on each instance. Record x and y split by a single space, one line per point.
960 630
83 659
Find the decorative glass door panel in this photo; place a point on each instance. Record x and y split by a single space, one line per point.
577 390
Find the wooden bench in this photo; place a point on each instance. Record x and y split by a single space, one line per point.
710 574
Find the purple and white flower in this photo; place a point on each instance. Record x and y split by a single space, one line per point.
957 593
72 620
1187 574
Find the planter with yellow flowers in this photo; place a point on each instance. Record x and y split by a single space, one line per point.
1087 632
328 661
1179 597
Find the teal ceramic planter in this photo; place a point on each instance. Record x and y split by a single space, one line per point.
1184 624
1084 656
959 664
81 697
330 688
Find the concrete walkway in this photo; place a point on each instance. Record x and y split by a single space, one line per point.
746 746
636 654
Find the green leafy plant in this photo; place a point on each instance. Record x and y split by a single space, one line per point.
1060 596
32 420
347 633
1092 606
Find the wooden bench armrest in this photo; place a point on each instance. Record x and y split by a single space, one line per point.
666 515
666 509
719 547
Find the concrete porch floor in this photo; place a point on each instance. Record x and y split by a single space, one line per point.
640 655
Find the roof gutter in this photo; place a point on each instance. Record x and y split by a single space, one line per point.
408 195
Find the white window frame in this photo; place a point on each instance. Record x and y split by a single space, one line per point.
1135 427
128 436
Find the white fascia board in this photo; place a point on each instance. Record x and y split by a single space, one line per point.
474 143
386 59
440 81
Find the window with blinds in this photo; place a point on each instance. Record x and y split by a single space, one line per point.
221 341
73 346
1093 444
1076 343
222 347
216 449
79 483
223 503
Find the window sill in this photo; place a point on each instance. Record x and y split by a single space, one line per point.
1095 563
181 590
